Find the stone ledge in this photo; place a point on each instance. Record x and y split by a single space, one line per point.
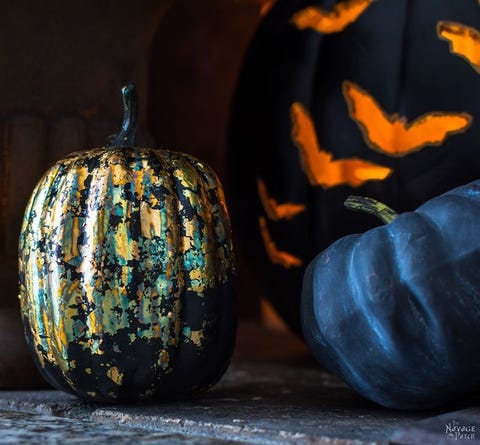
28 428
255 402
272 394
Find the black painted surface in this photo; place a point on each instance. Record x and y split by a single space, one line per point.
393 52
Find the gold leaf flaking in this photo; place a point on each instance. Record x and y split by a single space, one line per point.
197 337
115 375
93 230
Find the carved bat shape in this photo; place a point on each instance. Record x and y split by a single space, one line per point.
392 134
463 40
276 256
329 22
319 165
274 210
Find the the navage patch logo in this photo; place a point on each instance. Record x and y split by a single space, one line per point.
459 431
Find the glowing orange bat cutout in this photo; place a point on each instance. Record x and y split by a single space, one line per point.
319 165
329 22
393 135
463 41
276 256
265 8
274 210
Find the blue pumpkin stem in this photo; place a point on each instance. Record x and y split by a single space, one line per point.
126 137
370 205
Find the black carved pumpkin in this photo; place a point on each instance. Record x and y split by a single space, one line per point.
372 97
126 270
395 311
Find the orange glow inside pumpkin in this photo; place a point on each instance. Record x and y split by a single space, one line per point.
328 22
319 165
274 210
270 317
265 8
393 135
464 41
276 256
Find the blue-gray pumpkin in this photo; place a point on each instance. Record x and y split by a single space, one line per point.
395 311
126 268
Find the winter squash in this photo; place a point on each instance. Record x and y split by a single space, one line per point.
395 311
126 268
342 96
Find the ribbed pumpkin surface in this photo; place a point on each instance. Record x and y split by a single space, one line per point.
125 275
395 311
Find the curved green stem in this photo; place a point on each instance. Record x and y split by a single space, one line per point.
126 137
370 205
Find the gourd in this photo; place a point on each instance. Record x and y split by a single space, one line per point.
126 268
395 311
340 97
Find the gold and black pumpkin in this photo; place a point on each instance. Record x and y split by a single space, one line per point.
126 268
341 96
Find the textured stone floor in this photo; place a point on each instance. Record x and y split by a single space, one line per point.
265 398
29 428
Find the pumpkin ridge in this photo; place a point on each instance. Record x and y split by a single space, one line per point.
173 223
358 257
49 235
175 226
181 216
192 336
170 306
94 285
331 353
395 254
37 234
82 304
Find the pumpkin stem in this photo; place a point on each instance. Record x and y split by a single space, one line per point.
370 205
126 137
